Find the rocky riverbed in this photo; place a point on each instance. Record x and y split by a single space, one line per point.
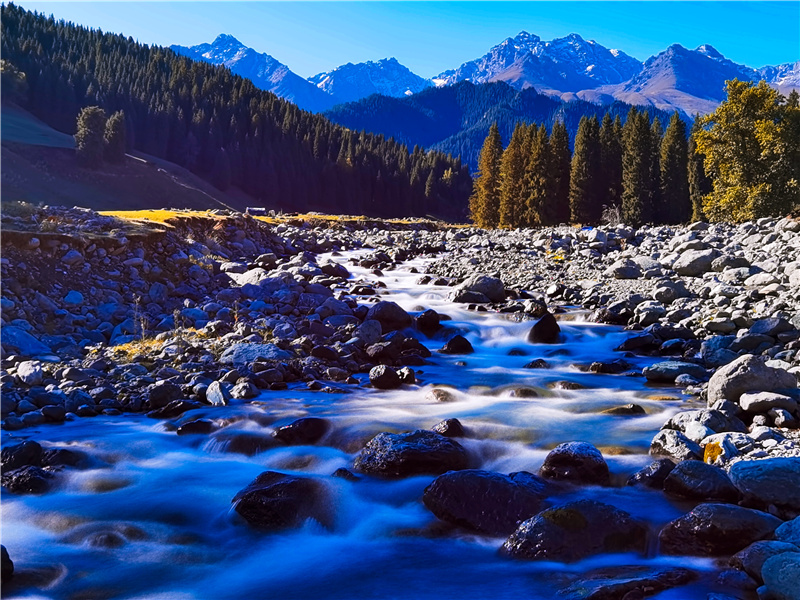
599 413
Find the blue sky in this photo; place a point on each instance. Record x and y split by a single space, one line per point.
430 37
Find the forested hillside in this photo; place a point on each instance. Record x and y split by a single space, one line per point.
222 127
456 119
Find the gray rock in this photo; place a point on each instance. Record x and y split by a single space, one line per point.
694 263
789 532
773 481
246 353
771 327
30 372
670 443
628 582
23 342
781 575
384 378
747 373
761 402
390 315
369 331
623 269
73 298
491 287
73 257
217 394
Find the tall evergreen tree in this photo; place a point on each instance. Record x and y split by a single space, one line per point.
586 191
699 183
674 195
541 206
637 184
512 164
115 138
89 136
560 164
484 204
611 158
659 214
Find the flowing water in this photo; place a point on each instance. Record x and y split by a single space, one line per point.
152 517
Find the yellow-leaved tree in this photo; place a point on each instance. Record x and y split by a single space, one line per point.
751 145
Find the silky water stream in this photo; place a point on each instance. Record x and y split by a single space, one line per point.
153 519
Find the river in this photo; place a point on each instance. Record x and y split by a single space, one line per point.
152 517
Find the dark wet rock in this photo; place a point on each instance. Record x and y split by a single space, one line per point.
715 420
428 322
610 367
781 575
545 331
28 480
628 410
696 480
653 475
751 559
56 414
417 453
449 428
248 443
457 345
789 532
577 462
771 327
716 530
668 371
390 315
618 313
7 565
626 583
440 395
575 531
275 501
28 453
747 373
772 481
63 457
670 443
539 363
302 432
198 426
247 353
484 501
345 474
384 378
639 342
174 409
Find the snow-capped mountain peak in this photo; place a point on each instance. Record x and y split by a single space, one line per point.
355 81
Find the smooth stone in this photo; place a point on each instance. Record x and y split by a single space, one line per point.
626 583
302 432
417 453
653 475
748 373
577 462
696 480
449 428
390 315
247 353
545 331
772 481
668 371
670 443
457 345
384 378
781 575
751 559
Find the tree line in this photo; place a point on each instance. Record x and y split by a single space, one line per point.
738 163
222 127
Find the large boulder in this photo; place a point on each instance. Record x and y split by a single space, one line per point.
576 530
577 462
694 263
420 452
490 287
390 315
781 575
772 481
667 371
302 432
748 373
653 475
751 559
384 378
696 480
457 345
20 341
484 501
28 480
545 330
28 453
247 353
716 530
275 501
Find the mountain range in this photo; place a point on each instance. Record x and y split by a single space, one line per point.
569 68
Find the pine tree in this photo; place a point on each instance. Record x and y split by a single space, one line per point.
115 138
586 181
512 204
541 205
637 207
674 195
89 136
611 158
656 136
484 204
699 183
560 163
